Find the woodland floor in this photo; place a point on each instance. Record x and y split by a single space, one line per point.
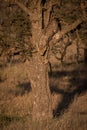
68 85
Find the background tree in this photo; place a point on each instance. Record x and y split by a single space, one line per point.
46 30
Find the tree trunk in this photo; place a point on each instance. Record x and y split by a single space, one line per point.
40 90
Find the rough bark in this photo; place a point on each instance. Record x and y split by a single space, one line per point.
39 72
40 89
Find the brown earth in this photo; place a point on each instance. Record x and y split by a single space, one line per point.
68 85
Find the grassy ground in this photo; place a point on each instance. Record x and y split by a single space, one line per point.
69 99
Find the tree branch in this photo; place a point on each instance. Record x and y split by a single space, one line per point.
67 29
22 6
48 7
83 8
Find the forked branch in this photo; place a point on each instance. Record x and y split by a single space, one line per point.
67 29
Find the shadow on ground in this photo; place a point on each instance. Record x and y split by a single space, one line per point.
77 85
21 89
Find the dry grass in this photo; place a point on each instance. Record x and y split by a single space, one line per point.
69 97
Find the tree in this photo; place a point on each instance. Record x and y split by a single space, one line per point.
46 32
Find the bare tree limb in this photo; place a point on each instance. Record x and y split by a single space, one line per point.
55 37
48 7
22 6
83 8
67 29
